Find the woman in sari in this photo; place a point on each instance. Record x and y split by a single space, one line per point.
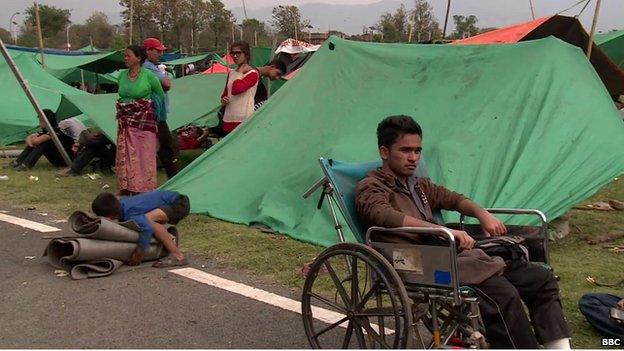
136 121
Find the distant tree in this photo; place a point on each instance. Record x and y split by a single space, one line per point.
487 29
252 29
118 42
197 13
99 29
465 26
220 22
53 19
5 36
143 18
287 21
425 26
394 27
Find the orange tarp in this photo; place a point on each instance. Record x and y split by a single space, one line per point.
510 34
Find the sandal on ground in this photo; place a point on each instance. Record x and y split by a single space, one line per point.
170 261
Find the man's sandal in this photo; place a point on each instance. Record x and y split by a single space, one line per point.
170 261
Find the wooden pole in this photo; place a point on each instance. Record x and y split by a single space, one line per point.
131 21
39 34
593 29
448 9
532 10
42 117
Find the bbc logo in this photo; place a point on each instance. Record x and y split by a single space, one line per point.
611 342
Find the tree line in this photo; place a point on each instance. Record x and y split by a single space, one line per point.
194 26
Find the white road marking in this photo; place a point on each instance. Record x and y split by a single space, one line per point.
28 224
285 303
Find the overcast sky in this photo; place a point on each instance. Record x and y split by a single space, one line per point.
611 16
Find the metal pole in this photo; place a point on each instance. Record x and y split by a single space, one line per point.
13 36
593 29
255 38
131 20
33 101
39 34
448 8
532 10
244 9
68 37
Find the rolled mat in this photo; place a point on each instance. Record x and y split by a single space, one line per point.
101 247
95 269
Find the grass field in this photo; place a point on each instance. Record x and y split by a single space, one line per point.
279 258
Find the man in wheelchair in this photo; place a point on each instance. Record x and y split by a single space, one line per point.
391 197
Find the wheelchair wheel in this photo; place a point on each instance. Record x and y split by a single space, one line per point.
362 300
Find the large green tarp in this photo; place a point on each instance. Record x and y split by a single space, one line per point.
504 132
260 56
187 60
101 63
612 44
17 116
193 99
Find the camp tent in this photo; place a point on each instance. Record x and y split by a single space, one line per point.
568 29
17 116
220 65
100 63
187 60
193 99
612 44
503 132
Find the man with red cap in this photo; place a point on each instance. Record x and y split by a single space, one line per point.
167 152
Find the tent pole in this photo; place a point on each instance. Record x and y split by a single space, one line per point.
593 29
532 10
448 8
35 104
131 20
39 34
82 80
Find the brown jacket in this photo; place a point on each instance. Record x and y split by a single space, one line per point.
381 200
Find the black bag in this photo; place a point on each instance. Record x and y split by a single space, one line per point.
510 248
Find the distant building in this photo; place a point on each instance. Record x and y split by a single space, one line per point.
319 38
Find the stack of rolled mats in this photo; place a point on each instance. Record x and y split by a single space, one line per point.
100 246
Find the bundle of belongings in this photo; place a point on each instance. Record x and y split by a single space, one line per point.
100 246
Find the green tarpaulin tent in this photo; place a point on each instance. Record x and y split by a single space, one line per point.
260 56
612 44
504 132
101 63
193 99
187 60
17 116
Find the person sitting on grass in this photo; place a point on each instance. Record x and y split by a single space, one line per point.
150 211
90 146
41 144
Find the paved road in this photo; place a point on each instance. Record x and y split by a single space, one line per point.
140 308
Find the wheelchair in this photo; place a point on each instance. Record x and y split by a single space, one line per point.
386 295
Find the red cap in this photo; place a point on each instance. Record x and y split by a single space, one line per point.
153 43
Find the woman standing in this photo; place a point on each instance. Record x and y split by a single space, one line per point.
136 121
240 88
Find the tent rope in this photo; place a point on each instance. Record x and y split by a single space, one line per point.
573 6
583 9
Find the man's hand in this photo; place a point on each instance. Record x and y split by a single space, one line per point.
29 140
75 148
466 242
137 257
620 305
491 225
225 100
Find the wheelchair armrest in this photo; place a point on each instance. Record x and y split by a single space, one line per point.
543 232
515 211
440 232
